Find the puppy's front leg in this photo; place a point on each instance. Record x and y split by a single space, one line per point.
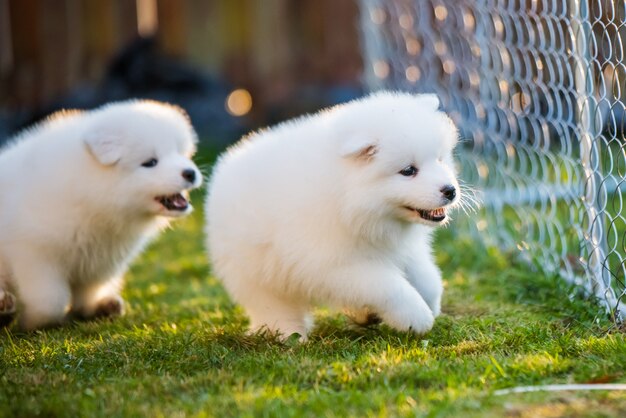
43 292
270 310
100 299
384 290
425 277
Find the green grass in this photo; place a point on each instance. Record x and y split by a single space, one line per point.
182 350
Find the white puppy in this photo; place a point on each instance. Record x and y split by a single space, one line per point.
336 208
80 195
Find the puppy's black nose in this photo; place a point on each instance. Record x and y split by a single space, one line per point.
189 174
449 192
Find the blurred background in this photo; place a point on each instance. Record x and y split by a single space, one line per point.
234 65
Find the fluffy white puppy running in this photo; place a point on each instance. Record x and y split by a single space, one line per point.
336 208
80 195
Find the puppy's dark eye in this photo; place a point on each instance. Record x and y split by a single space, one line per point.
410 171
150 163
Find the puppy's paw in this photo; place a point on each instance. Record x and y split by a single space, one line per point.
282 330
416 319
110 306
423 324
8 306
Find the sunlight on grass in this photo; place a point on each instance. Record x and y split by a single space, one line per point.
542 364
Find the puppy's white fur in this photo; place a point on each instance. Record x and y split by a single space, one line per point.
316 211
76 205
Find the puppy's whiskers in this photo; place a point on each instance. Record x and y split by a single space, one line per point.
470 200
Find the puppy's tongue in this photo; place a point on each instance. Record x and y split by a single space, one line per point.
174 202
179 201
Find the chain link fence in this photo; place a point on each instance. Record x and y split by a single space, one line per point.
538 89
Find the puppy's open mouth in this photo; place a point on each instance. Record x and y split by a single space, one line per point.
176 202
434 215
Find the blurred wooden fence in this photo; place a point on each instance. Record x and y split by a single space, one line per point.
266 46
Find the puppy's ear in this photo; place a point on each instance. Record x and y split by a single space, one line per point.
104 146
358 147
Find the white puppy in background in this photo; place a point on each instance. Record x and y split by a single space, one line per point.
336 208
80 195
